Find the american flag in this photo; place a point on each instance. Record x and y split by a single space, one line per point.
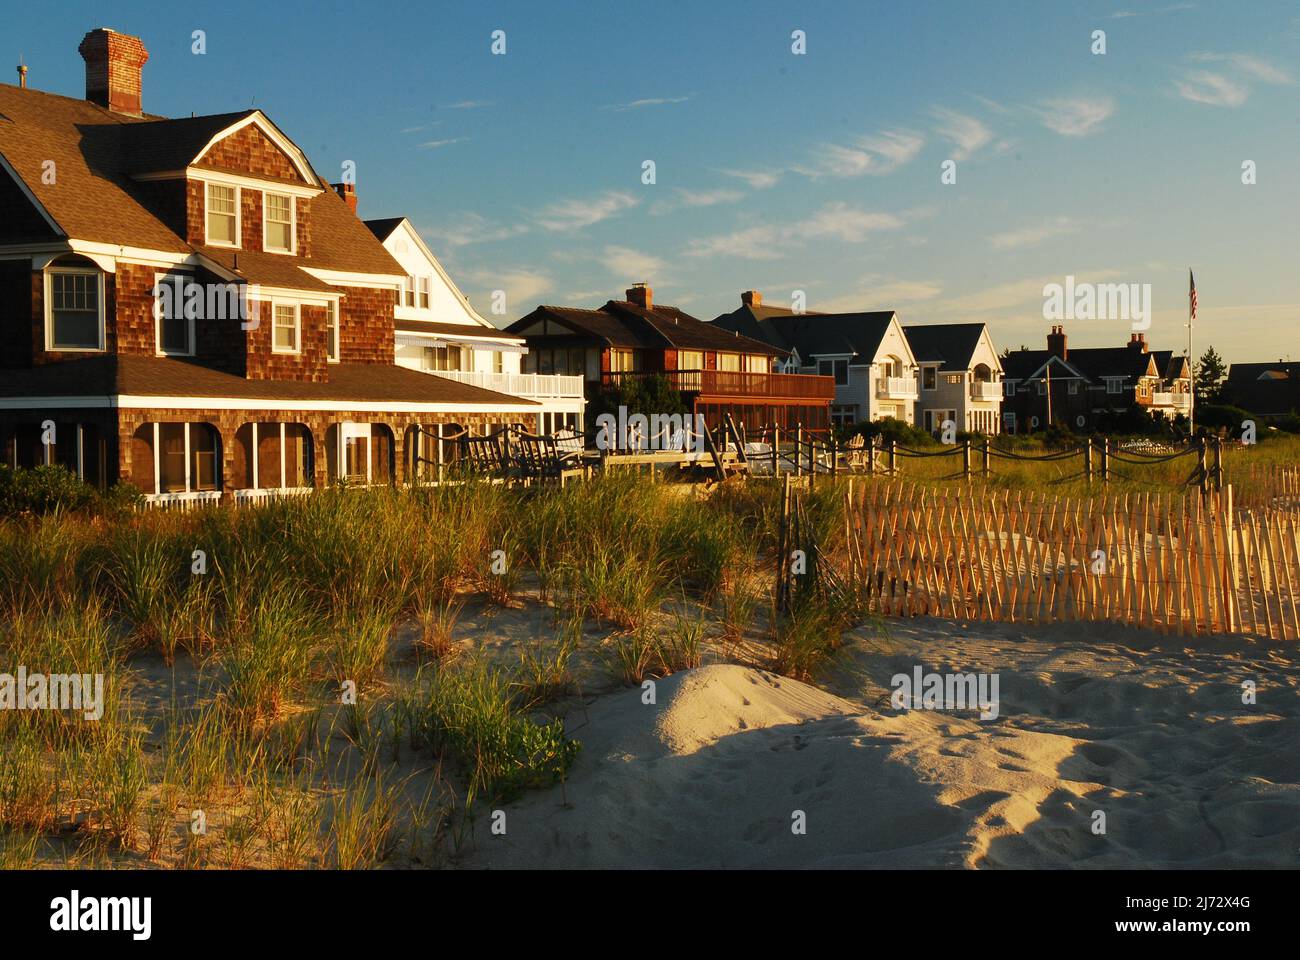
1191 295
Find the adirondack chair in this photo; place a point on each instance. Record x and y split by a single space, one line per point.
857 449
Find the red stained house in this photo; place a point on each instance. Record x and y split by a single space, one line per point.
715 371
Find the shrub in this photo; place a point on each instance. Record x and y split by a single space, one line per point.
42 490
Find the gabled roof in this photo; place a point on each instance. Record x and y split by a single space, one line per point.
1250 372
951 345
95 196
1094 364
620 323
812 334
384 227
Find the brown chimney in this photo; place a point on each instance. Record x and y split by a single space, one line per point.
642 295
113 63
348 191
1056 344
751 298
22 76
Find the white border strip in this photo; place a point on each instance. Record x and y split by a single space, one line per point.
133 402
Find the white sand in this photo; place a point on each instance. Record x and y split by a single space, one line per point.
1149 730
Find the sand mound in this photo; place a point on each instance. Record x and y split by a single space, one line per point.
728 760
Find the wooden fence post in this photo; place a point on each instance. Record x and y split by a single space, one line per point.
442 459
1201 464
871 457
965 459
893 458
985 460
1087 459
798 449
776 449
1105 460
835 454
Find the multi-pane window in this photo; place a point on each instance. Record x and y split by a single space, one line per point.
620 361
839 369
1009 388
444 358
498 362
332 329
690 360
74 311
408 291
756 363
424 292
278 222
929 378
729 361
285 328
223 218
175 332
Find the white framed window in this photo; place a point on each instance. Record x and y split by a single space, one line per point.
284 328
74 309
173 330
332 330
1074 388
1008 388
423 283
690 360
929 378
756 363
408 292
729 361
277 223
498 361
1114 385
222 215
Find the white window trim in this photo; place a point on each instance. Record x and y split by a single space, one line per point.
355 431
50 271
297 327
293 224
189 460
332 348
239 214
1114 385
158 278
423 293
1009 388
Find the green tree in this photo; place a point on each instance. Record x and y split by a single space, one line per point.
1211 371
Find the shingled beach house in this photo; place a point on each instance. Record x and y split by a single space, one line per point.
102 206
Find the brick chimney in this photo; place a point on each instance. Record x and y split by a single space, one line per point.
751 298
1137 342
113 64
348 191
1056 342
641 295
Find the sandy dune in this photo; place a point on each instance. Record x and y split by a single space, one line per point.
1151 733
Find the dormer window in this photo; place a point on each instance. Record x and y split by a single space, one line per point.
277 223
223 215
74 310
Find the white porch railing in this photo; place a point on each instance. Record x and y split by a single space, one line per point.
896 388
1180 400
265 494
985 390
520 384
182 501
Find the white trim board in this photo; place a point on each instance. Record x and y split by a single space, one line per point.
136 402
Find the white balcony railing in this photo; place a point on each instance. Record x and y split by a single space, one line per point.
519 384
896 388
182 501
1180 401
985 390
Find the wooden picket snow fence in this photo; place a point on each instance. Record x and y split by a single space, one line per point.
1178 563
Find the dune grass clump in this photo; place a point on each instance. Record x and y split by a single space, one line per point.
470 713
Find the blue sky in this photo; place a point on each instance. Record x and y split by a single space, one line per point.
775 171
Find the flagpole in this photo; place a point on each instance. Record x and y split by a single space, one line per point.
1191 361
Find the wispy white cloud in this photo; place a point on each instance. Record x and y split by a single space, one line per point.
836 221
438 144
468 228
647 102
632 265
469 104
1213 88
880 293
964 132
1075 116
877 155
522 287
1253 67
683 197
1033 235
575 214
1172 8
757 179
